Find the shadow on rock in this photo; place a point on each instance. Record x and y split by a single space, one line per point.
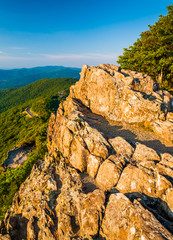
155 206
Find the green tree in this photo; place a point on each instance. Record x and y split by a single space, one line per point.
152 53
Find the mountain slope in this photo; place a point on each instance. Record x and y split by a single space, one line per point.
21 77
17 129
99 180
13 97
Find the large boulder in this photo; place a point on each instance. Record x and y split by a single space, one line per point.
128 96
164 129
135 180
126 220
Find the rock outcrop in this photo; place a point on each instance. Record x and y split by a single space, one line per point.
100 180
16 157
125 96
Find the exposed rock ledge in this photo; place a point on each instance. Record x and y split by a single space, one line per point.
16 157
101 181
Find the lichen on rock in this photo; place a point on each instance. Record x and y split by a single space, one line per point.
100 179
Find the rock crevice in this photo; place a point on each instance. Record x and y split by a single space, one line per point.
103 178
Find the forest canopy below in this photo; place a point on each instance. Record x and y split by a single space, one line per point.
44 87
18 129
152 53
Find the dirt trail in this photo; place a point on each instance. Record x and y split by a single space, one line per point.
131 134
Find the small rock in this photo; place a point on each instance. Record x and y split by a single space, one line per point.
79 154
109 173
144 153
121 146
93 165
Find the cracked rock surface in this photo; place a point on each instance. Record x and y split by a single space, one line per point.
103 177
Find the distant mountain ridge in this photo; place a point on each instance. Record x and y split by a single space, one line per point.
20 77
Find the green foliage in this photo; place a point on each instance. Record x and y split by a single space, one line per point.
23 76
152 53
146 127
44 87
80 123
18 129
11 180
78 120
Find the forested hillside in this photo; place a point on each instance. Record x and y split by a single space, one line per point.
152 53
44 87
17 128
21 77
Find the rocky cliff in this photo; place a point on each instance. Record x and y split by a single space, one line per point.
108 174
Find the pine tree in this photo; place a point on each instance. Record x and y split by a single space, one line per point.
152 53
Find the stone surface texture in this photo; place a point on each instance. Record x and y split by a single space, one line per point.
94 183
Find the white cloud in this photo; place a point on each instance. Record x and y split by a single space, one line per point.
79 56
7 57
30 59
29 53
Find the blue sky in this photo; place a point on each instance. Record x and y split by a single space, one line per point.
71 33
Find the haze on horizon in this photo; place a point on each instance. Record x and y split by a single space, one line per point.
71 33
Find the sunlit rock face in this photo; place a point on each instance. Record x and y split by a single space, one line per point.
125 96
101 180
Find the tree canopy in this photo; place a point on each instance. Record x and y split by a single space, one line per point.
152 53
17 129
